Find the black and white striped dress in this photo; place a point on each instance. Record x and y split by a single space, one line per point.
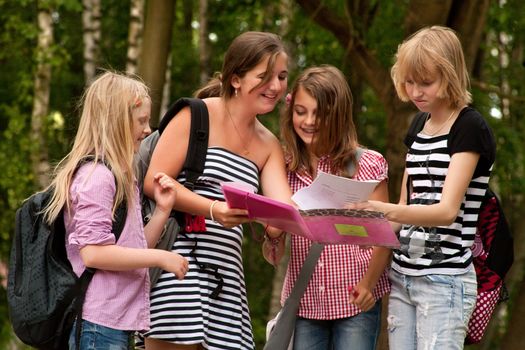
185 311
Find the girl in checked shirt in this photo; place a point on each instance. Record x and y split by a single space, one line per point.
341 307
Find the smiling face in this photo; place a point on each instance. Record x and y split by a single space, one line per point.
141 115
304 117
263 98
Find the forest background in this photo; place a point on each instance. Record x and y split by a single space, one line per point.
49 51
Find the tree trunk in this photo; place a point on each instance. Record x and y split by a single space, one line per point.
136 26
156 45
278 281
514 338
91 36
166 90
204 48
40 161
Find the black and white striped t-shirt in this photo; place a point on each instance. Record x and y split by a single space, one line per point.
444 249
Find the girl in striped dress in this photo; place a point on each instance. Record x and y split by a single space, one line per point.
447 171
341 307
209 308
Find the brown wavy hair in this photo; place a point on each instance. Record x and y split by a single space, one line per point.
244 53
336 135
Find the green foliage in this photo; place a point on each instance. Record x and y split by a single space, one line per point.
380 28
258 276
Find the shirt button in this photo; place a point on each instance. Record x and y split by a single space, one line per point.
321 288
321 264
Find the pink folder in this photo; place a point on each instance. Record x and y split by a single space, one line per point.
329 226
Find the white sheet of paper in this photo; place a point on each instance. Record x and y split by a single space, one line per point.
332 191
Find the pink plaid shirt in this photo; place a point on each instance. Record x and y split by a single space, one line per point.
339 266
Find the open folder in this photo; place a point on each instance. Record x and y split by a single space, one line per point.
329 226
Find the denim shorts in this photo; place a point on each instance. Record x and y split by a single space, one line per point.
357 332
96 337
430 311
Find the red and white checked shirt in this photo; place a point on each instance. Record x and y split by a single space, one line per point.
339 266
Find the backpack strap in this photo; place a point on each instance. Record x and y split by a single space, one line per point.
416 126
199 132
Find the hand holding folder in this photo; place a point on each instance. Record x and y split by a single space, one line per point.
328 226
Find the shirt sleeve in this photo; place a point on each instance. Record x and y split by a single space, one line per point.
471 133
372 166
92 192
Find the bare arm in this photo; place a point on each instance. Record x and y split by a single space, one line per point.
165 194
460 172
168 157
116 258
274 182
380 260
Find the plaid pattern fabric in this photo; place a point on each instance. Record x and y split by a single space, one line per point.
339 266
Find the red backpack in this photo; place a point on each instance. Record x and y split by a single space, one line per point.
493 252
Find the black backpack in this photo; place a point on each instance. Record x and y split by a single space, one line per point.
193 166
44 295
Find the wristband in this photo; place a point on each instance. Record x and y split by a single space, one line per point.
211 209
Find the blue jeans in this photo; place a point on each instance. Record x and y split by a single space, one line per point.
431 311
96 337
359 332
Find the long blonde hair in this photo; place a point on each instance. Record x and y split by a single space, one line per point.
105 132
336 135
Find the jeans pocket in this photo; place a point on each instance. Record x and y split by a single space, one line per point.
470 293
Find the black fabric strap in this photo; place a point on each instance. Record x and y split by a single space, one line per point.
198 143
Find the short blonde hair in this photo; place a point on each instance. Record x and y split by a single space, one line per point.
429 51
105 132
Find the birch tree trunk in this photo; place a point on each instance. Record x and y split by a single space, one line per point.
204 48
136 27
40 158
156 44
91 36
165 102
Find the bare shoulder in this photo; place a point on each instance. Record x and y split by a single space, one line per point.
214 105
265 136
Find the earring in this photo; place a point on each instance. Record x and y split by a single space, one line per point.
235 92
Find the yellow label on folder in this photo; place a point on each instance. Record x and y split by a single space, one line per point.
351 230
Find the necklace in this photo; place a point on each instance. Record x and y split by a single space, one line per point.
442 124
245 145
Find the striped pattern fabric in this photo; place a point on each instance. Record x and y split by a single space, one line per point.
339 266
184 312
442 249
